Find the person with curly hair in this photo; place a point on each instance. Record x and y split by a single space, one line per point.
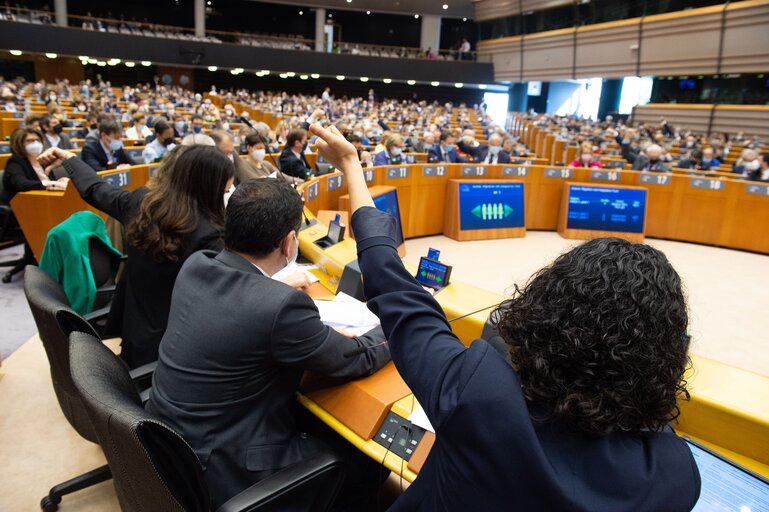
576 414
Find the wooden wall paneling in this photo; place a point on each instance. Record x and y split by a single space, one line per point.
694 116
548 56
702 211
661 204
428 206
751 119
492 9
746 40
607 51
505 55
748 217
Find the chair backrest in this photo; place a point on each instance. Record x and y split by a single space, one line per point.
152 466
55 320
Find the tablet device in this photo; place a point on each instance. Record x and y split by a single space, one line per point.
433 274
335 232
433 254
725 484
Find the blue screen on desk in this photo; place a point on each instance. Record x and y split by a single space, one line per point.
431 273
388 202
606 209
727 487
490 205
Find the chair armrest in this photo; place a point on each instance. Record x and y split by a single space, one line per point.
287 480
96 315
109 289
142 372
144 396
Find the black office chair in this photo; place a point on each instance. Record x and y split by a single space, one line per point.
155 469
55 321
10 235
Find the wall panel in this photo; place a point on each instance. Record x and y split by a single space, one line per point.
607 52
493 9
750 119
746 39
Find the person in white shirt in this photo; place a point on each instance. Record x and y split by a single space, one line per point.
139 130
163 143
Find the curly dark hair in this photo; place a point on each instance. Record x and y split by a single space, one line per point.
599 338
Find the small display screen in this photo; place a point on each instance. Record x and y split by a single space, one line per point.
432 274
388 202
726 486
606 209
433 254
490 205
334 232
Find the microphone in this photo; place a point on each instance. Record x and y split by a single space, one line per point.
306 219
360 350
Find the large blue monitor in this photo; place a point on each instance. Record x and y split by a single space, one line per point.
388 202
606 209
490 206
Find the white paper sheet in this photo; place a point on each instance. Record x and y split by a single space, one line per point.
348 313
419 418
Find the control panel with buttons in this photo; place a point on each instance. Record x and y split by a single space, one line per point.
399 435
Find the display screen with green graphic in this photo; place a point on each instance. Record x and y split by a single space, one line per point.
490 205
433 274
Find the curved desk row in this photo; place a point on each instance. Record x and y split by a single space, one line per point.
729 407
728 410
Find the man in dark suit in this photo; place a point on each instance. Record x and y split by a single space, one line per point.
292 160
650 161
238 342
107 152
53 133
491 153
694 161
762 173
539 432
445 152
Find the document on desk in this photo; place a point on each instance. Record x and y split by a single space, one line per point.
419 418
347 313
295 267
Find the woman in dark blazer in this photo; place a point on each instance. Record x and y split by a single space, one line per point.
180 211
23 171
575 415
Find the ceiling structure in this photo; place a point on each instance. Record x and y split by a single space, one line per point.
454 8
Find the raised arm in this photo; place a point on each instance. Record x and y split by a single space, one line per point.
94 191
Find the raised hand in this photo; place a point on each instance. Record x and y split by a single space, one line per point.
337 150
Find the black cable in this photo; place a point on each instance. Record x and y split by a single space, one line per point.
478 311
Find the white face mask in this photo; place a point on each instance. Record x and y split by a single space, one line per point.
258 154
34 148
396 151
228 194
753 165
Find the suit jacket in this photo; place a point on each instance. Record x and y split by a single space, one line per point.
64 142
230 363
146 286
480 152
247 170
95 156
642 163
384 158
686 163
293 166
435 155
489 455
19 176
756 175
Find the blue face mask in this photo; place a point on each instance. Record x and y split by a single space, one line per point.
428 147
449 148
494 150
197 129
115 145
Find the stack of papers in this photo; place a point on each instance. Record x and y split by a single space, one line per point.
419 418
347 313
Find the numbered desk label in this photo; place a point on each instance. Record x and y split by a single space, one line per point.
153 170
119 180
18 115
368 175
707 184
312 191
615 165
655 179
397 172
517 171
758 190
5 148
334 182
473 170
558 173
604 175
434 170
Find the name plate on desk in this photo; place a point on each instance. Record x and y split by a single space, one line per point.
708 184
521 161
552 172
519 170
153 170
334 182
758 190
604 175
5 148
434 170
119 179
473 170
655 179
397 172
312 191
18 115
368 175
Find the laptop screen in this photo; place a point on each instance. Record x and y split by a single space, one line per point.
727 486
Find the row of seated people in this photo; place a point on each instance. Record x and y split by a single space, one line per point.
199 280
